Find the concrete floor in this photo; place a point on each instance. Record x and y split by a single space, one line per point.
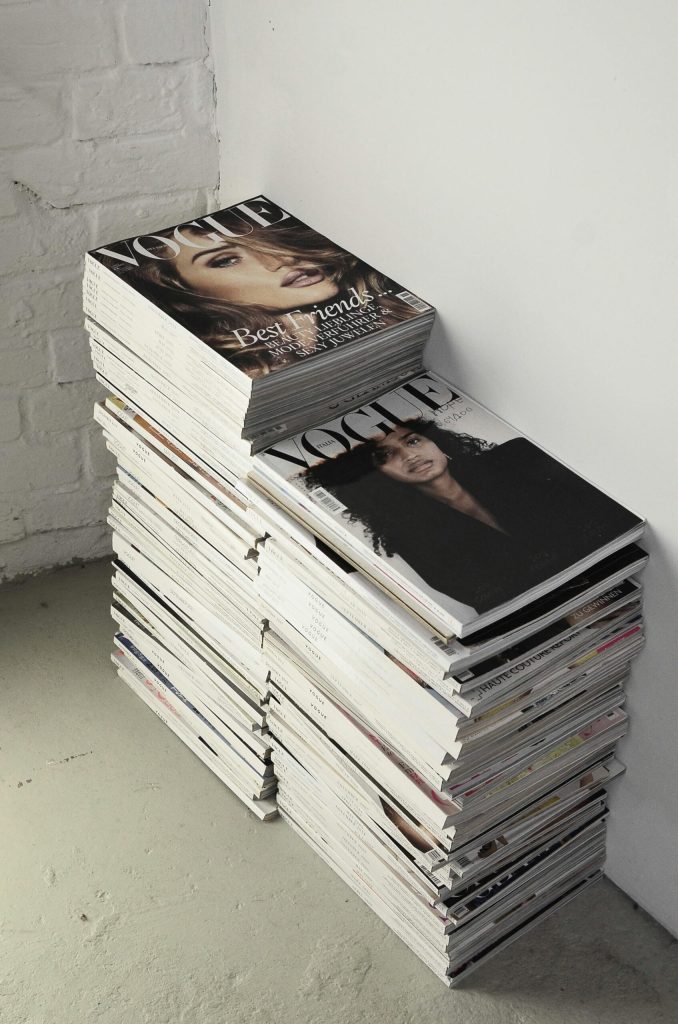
137 890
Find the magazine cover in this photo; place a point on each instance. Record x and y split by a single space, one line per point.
434 490
259 286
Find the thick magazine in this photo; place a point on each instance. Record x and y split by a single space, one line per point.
444 504
256 285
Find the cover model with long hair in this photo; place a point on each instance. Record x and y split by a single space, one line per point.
444 504
258 286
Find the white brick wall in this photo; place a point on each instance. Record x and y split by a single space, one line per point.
107 114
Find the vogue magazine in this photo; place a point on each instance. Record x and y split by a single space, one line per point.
449 506
258 286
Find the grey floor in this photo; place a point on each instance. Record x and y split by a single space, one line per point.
136 889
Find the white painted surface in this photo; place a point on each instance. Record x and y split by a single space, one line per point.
516 164
106 129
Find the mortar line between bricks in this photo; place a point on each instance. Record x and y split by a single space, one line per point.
53 211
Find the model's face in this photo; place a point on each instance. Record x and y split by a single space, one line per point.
237 274
409 458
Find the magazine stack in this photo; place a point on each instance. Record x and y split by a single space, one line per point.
209 335
410 619
186 604
260 322
452 614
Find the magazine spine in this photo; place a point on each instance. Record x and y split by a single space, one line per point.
216 497
223 573
230 680
220 421
423 802
368 608
130 317
265 809
122 380
195 609
387 729
234 609
331 633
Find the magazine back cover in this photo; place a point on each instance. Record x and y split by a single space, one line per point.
260 287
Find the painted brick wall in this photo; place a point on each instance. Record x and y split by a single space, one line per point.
107 129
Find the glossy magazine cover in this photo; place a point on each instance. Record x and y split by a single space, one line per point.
260 287
446 497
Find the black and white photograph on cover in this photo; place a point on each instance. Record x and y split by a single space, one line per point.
457 497
259 286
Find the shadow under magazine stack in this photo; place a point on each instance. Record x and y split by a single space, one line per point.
415 617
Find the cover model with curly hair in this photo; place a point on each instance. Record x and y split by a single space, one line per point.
480 522
482 516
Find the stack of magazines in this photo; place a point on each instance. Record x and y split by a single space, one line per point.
451 617
413 621
209 335
219 306
186 603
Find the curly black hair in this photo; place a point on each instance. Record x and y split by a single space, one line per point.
384 506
